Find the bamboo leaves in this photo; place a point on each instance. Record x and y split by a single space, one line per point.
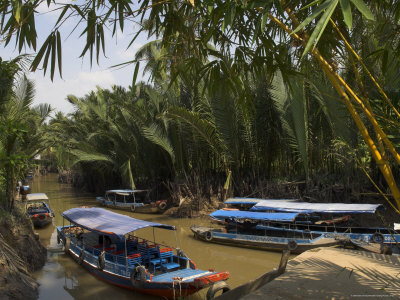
52 46
327 9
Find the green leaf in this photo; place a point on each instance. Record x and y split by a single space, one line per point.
17 10
53 57
59 53
135 73
346 10
264 21
321 25
363 8
311 17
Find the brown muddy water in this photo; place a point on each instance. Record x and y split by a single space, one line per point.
61 278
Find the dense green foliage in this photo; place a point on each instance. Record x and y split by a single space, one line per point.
21 128
262 89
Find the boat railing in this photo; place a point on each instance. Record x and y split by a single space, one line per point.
115 263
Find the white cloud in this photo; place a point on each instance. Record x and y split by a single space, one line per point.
129 54
55 92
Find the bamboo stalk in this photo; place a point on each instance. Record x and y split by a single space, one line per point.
338 82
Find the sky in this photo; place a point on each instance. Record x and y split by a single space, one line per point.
78 77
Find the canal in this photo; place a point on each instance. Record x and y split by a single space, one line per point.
61 278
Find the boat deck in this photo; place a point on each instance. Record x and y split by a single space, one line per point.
185 275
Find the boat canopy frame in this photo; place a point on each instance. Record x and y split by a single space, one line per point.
307 207
36 197
106 222
253 216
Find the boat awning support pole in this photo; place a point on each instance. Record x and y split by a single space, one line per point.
154 237
176 240
126 256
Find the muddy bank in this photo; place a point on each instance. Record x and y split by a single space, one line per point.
20 255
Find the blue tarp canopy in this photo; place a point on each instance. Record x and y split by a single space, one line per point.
240 214
238 200
306 207
107 222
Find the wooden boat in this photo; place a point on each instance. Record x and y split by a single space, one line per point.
242 203
367 238
38 210
104 243
134 200
263 242
359 236
246 233
25 189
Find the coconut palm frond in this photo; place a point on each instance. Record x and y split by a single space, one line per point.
300 121
82 156
155 134
204 129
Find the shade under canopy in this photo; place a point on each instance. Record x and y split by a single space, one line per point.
107 222
240 214
306 207
238 200
36 197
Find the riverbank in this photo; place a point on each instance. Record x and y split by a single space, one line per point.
21 254
333 273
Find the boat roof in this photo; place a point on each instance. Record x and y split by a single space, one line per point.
107 222
244 200
306 207
36 197
261 216
124 192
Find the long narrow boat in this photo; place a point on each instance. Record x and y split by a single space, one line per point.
358 236
38 210
105 244
244 203
246 235
133 200
308 207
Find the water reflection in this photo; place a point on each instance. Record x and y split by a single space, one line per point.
62 278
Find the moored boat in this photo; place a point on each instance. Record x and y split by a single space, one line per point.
243 232
244 203
38 210
311 220
133 200
106 245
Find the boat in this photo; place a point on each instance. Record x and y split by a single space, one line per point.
105 243
360 236
133 200
241 230
244 203
38 210
24 189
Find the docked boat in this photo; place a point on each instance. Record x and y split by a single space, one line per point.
241 230
360 236
105 243
244 203
133 200
38 210
25 189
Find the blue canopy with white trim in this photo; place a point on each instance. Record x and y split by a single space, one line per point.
240 214
306 207
107 222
